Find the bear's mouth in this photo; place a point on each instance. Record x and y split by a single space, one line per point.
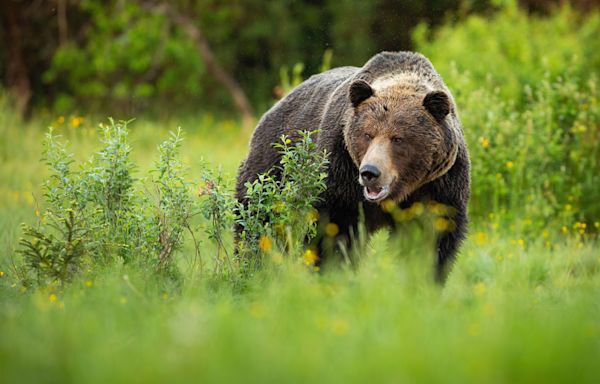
375 193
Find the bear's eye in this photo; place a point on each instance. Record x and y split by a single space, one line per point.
397 140
368 136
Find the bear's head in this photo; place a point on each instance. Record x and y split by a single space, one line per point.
399 137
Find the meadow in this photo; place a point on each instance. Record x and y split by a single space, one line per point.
520 305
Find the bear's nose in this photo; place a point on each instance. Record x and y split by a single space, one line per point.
369 173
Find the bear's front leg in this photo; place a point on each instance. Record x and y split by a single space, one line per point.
452 190
449 241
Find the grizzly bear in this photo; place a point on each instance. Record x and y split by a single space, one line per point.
392 133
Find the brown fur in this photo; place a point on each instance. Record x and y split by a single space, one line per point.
396 113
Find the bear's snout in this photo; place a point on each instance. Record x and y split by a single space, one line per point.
369 173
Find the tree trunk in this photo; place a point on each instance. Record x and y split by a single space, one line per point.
17 76
63 26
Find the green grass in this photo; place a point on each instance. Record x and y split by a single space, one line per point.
513 310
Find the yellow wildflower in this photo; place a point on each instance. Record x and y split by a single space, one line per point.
417 209
402 214
485 143
1 273
310 257
52 298
89 283
509 164
441 224
265 243
332 229
480 238
388 205
76 121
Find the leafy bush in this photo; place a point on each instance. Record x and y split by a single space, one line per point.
101 214
279 204
527 92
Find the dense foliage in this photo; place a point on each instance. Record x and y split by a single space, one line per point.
530 110
136 57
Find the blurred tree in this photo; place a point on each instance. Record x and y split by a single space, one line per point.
135 56
17 78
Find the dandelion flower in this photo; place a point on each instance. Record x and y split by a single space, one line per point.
76 121
480 238
1 273
485 143
310 257
509 164
52 298
417 209
332 229
265 243
89 283
388 205
442 224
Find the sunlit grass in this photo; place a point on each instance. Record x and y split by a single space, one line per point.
512 310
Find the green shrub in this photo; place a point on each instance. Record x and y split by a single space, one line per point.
101 214
279 209
526 90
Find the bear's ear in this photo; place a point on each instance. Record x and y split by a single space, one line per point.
360 91
438 104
